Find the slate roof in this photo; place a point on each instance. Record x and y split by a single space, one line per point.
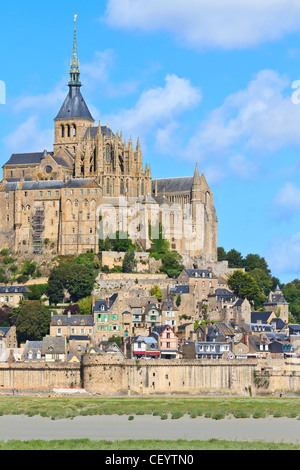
173 185
198 273
34 347
262 317
181 289
223 294
5 330
13 290
26 158
72 320
104 304
55 345
106 131
74 106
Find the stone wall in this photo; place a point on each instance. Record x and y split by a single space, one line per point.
39 376
107 375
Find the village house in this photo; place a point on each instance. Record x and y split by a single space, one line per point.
48 350
107 318
145 347
202 279
211 350
170 314
12 295
278 304
167 341
71 325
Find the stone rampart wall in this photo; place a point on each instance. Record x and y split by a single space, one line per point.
106 375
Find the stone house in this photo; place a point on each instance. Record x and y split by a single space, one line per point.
71 325
8 336
108 317
170 314
203 280
54 349
152 316
48 350
278 304
258 346
8 342
211 350
12 295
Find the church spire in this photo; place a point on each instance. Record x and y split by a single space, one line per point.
74 70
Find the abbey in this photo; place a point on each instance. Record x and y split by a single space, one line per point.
94 183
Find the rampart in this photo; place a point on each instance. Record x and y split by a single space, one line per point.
106 375
109 376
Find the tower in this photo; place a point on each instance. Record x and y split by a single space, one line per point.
74 116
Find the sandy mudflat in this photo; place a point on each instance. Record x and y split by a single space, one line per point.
150 427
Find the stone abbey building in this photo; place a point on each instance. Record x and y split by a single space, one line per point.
94 183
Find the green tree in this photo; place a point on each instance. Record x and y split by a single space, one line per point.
57 282
254 261
222 255
172 264
244 286
235 259
129 262
85 306
156 292
33 321
80 282
263 280
178 300
291 292
161 246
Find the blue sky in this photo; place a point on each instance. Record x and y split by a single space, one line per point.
197 81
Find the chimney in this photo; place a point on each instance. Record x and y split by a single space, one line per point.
107 301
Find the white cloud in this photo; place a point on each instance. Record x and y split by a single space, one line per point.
29 137
157 108
42 102
251 123
286 202
284 256
224 24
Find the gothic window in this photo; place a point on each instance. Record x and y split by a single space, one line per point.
62 131
74 130
143 188
69 130
121 187
107 154
107 187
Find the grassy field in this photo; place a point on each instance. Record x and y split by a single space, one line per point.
216 408
152 445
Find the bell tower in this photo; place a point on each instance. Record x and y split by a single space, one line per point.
74 117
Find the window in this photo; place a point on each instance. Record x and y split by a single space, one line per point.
41 193
107 155
7 195
49 193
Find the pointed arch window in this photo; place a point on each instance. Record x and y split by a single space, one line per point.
107 154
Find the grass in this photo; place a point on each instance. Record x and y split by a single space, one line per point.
216 408
134 445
